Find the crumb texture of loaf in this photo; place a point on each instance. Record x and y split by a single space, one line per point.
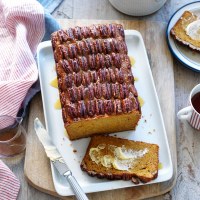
95 81
179 31
144 169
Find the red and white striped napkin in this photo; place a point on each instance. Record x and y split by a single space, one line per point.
21 30
9 184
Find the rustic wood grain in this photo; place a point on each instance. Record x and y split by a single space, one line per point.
102 9
162 69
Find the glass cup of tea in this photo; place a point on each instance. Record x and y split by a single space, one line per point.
12 136
192 112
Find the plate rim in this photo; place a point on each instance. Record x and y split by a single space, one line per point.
168 38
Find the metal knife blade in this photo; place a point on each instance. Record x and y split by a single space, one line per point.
61 167
57 159
45 139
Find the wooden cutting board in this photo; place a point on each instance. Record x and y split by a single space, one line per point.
37 166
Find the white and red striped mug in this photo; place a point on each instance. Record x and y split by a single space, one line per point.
192 112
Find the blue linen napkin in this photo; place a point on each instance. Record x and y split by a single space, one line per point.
51 25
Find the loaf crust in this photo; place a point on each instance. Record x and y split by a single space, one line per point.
178 32
95 82
147 167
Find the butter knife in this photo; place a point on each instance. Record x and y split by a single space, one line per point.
57 159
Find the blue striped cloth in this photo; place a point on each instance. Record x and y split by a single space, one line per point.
51 25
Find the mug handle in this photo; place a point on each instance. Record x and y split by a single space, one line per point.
185 113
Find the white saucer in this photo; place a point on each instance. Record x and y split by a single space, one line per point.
189 58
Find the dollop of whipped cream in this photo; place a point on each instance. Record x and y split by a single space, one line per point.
193 30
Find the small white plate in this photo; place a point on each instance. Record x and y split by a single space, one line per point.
189 58
150 128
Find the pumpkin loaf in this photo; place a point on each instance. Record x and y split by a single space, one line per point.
116 158
95 81
180 30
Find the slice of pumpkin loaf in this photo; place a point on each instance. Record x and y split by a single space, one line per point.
116 158
187 30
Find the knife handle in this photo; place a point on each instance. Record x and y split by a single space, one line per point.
80 195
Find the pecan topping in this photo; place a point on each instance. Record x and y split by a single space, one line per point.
73 94
97 61
91 61
62 36
125 89
107 46
103 30
91 92
118 106
72 110
116 59
100 107
83 63
108 61
108 105
79 94
106 91
85 31
115 90
66 66
94 76
112 30
94 72
107 75
85 93
127 105
58 54
91 108
77 33
81 109
133 90
121 30
103 46
102 61
72 50
86 78
85 48
55 41
80 46
98 45
122 92
102 75
112 75
62 98
120 77
68 80
70 34
95 31
78 79
75 65
98 90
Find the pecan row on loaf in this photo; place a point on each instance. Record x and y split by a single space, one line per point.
94 72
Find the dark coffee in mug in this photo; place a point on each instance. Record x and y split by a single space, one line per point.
196 102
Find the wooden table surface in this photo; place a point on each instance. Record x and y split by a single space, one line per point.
188 139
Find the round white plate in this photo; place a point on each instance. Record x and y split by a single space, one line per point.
189 58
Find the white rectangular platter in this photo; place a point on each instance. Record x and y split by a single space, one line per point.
150 129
